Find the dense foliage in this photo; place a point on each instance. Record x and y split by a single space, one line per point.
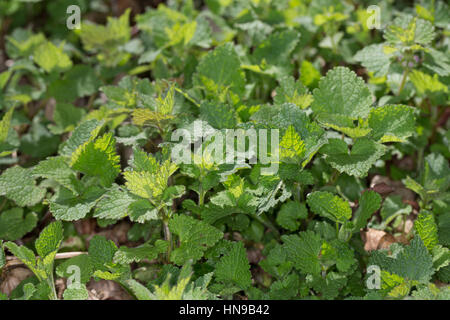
358 206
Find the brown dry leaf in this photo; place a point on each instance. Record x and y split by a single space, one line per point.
386 241
397 187
106 290
12 277
371 238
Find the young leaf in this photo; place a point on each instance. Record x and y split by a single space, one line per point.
233 267
329 206
195 237
98 158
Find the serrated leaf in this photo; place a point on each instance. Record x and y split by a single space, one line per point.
369 203
426 84
86 131
220 69
426 228
49 239
137 254
18 185
5 124
98 158
329 206
218 115
277 48
66 206
358 161
339 253
150 185
76 292
291 145
22 253
101 252
56 169
409 30
195 237
14 225
291 91
77 266
113 204
342 92
290 214
374 59
234 267
392 123
422 268
303 250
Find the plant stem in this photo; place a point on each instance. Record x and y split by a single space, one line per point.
402 84
51 283
167 237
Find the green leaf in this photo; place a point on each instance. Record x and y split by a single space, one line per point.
101 252
98 158
369 203
51 58
220 70
329 206
195 237
150 185
113 204
434 178
309 75
358 161
291 91
18 185
85 132
426 84
66 206
282 116
234 267
422 268
303 250
49 239
13 224
22 253
56 169
145 251
5 124
291 145
374 59
143 161
76 292
339 253
290 214
71 266
139 290
277 48
426 228
409 30
341 92
218 115
392 123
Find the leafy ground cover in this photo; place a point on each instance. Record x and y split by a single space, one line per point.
346 195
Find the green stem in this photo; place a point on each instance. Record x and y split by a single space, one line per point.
168 238
51 283
402 84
